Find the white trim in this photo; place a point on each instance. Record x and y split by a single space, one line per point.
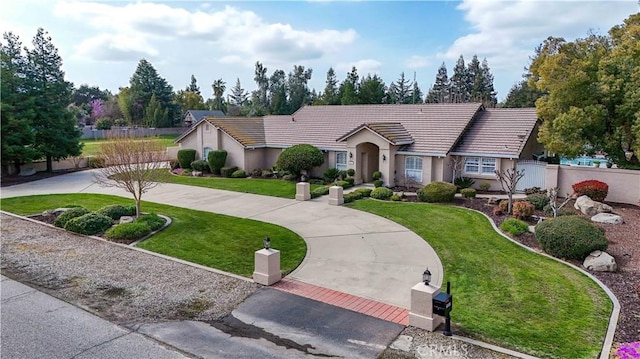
477 154
421 154
480 164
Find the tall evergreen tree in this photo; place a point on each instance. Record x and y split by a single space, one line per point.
460 91
278 93
154 114
331 95
15 106
146 82
401 90
297 86
416 93
372 90
489 96
521 95
56 135
476 80
441 89
218 86
193 86
349 88
261 95
238 95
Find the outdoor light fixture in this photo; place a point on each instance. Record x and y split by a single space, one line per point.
350 155
426 276
267 242
384 158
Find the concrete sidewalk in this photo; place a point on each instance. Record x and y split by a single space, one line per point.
347 250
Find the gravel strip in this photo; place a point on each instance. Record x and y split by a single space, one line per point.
116 283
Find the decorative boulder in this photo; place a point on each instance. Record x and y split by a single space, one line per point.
54 212
126 219
599 261
607 218
27 172
590 207
492 200
196 173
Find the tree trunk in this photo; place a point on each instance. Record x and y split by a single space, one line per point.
49 164
16 166
510 202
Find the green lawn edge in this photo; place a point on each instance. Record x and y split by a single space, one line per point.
503 293
214 240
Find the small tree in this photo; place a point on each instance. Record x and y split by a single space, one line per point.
217 160
553 201
456 164
509 180
298 158
133 164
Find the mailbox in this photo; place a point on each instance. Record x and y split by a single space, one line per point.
442 304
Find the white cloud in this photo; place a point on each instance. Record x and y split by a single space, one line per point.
115 48
364 67
416 62
232 34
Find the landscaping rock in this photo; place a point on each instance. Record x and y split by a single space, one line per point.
196 173
607 218
492 200
590 207
54 212
27 172
599 261
126 219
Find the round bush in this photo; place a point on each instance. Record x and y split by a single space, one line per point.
353 196
152 220
396 198
217 159
468 193
103 124
351 180
344 184
596 190
320 191
351 172
185 157
331 175
436 192
366 192
514 227
381 193
239 174
570 237
522 209
116 211
538 200
301 157
377 183
68 215
564 211
89 224
376 175
128 231
200 165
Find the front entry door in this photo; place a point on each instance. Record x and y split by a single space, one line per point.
364 166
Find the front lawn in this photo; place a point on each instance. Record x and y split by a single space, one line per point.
92 147
504 294
214 240
265 187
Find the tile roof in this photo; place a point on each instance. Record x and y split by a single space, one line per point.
248 131
393 132
200 114
435 128
498 131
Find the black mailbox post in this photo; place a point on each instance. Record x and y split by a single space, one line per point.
442 304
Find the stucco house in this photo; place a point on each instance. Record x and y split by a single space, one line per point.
409 144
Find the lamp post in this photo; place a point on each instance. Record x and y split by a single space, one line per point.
267 242
426 277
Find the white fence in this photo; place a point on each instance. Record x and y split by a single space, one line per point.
534 174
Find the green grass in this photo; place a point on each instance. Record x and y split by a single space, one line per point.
214 240
503 293
92 147
265 187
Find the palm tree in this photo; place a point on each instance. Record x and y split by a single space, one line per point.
219 87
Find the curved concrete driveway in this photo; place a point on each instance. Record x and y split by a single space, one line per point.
348 250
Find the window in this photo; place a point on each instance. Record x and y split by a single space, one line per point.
205 152
207 128
341 161
480 166
413 168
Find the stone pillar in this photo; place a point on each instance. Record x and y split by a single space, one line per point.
421 312
303 191
335 196
267 267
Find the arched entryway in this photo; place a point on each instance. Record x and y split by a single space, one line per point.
368 157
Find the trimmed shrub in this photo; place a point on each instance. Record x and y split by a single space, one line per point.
103 124
344 184
514 227
504 205
185 157
564 211
216 160
381 193
320 191
468 193
128 231
570 237
366 192
68 215
89 224
331 175
377 183
437 192
239 174
523 209
484 186
396 198
228 171
152 220
538 200
376 175
596 190
256 173
463 182
298 158
351 172
317 182
116 211
200 165
353 196
95 162
351 180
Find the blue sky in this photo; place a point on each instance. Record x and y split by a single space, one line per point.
102 42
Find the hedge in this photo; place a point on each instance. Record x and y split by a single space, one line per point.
185 157
570 237
128 231
68 215
89 224
217 159
436 192
596 190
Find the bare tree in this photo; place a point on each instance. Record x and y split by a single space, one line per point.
133 164
456 164
553 201
509 180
